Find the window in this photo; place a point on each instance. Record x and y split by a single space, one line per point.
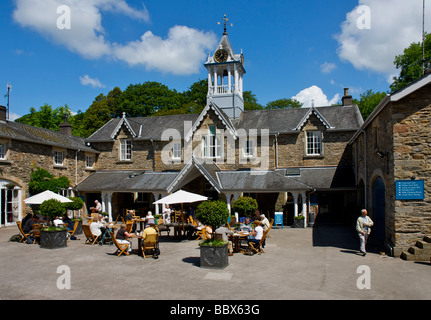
314 143
212 144
176 150
3 150
126 150
89 161
58 158
249 148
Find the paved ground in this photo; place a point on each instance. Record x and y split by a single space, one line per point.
307 263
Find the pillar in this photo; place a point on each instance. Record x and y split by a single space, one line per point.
304 207
109 205
295 203
156 208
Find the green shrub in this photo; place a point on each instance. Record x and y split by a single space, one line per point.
52 208
213 213
76 203
245 206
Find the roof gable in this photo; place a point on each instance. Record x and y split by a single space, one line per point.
127 125
314 111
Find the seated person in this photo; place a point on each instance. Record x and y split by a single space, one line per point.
28 227
129 217
102 219
265 222
122 236
149 219
148 231
224 232
167 214
97 208
246 226
95 228
26 218
58 222
257 233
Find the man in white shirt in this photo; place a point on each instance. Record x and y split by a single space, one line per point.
363 226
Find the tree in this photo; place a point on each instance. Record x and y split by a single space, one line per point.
368 102
52 208
245 206
283 104
41 180
46 117
213 213
250 101
411 64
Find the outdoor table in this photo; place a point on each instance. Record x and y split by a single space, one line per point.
140 239
178 228
141 223
236 240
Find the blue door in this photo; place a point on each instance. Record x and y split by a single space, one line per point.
379 228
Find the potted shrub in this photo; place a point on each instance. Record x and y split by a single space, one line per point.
245 206
52 237
298 221
213 253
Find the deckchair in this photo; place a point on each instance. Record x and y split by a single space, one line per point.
121 247
90 237
24 235
257 247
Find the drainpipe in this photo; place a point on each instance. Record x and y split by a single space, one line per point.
276 150
365 169
154 155
76 166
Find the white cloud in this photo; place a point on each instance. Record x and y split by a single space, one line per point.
13 116
315 93
394 25
87 81
182 51
328 67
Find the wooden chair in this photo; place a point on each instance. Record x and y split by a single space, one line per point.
129 226
121 247
198 232
203 233
36 231
24 235
150 243
257 248
72 232
269 228
89 235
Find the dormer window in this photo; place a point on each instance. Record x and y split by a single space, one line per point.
314 143
126 150
212 144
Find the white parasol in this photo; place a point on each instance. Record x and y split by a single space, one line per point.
46 195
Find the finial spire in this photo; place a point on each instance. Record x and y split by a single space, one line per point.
225 19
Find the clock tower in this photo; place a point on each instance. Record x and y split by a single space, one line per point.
225 77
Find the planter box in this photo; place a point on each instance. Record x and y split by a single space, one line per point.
214 257
53 239
298 223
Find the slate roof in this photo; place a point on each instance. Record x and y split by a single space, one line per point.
23 132
127 181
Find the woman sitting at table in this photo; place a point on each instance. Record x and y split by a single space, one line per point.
257 233
149 219
122 236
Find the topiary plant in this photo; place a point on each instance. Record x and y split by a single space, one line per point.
213 213
52 208
245 206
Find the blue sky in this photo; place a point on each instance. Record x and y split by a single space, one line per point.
303 49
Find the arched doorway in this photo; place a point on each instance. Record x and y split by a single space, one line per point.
379 228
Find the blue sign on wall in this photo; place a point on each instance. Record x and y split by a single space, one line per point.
409 189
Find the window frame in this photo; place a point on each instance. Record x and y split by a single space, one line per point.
212 144
177 151
125 150
313 146
58 154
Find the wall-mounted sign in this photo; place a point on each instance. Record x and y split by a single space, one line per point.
409 189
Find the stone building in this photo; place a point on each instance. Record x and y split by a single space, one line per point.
290 160
392 161
24 147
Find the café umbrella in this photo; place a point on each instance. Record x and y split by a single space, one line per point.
46 195
181 197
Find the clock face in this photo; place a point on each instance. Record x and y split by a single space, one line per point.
221 55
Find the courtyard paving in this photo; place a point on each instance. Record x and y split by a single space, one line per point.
311 263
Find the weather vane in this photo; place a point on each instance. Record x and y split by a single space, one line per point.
225 19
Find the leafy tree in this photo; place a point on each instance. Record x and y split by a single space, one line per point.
41 180
245 206
411 63
213 213
284 104
250 101
46 117
368 102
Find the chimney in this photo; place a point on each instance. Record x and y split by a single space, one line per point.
65 127
346 99
3 113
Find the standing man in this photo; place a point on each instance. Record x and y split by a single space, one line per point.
363 226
